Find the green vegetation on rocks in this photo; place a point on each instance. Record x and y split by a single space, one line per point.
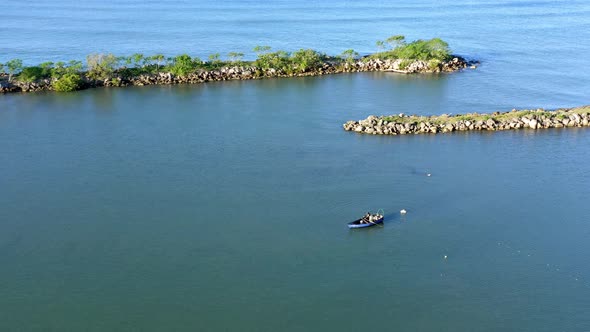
183 65
433 49
235 57
61 68
14 66
101 66
31 74
349 56
138 69
68 83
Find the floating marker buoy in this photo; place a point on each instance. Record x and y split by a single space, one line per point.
403 211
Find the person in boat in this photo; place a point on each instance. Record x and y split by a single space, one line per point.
366 219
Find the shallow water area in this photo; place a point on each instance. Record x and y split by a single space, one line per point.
223 206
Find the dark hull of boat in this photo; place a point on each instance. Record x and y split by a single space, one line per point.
357 223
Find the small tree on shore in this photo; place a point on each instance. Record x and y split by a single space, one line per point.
137 59
349 56
14 66
235 57
438 49
183 64
396 41
154 60
261 49
305 60
1 68
215 60
279 60
125 60
74 66
424 50
159 59
47 68
393 42
60 68
101 66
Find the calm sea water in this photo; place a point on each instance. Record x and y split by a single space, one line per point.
222 207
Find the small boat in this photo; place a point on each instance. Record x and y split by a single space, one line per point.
357 223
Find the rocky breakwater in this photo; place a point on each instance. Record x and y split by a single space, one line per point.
5 86
247 72
516 119
456 63
327 68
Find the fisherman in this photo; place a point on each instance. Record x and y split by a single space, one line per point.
366 219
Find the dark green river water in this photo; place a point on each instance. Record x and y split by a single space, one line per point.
223 207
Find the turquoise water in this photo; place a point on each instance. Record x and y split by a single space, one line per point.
222 207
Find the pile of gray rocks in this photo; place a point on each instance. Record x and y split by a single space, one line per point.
403 124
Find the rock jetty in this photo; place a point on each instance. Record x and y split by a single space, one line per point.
402 124
248 73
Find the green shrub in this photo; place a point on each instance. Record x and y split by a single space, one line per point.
433 49
60 68
235 58
261 49
349 56
393 42
67 83
183 65
285 62
215 61
278 60
132 72
101 66
424 50
305 60
138 60
158 60
14 67
31 74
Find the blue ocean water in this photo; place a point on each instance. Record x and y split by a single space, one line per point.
222 206
532 52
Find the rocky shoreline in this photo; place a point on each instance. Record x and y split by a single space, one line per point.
516 119
246 73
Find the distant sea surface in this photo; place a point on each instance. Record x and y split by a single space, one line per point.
223 206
